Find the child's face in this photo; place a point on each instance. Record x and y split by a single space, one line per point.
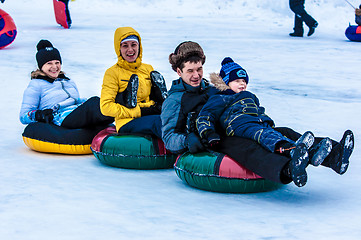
52 68
238 85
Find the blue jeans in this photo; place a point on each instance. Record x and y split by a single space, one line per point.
148 125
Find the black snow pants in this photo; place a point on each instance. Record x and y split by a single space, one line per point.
269 165
87 115
297 6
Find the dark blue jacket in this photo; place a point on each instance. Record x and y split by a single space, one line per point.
231 110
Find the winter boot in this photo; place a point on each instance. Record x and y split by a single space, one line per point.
159 89
307 138
319 152
131 92
296 168
339 156
312 29
296 34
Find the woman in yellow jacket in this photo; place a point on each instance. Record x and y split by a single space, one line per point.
132 92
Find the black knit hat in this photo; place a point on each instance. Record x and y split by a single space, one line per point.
46 52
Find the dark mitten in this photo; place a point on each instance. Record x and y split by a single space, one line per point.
120 99
45 115
155 109
194 143
191 122
213 139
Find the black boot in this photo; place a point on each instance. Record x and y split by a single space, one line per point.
159 89
296 168
296 34
131 92
339 156
312 29
307 138
319 152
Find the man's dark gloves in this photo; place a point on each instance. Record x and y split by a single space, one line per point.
194 143
45 115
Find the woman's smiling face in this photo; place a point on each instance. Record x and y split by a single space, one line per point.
129 50
52 68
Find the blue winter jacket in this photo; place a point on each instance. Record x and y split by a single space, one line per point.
60 94
231 110
182 99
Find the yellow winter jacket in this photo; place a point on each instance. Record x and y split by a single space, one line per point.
116 80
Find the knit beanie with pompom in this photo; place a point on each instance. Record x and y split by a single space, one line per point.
46 52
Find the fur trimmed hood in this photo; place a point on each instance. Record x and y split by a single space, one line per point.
218 82
38 74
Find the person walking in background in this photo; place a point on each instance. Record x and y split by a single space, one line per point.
298 7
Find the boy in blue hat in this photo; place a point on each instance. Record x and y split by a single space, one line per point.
238 113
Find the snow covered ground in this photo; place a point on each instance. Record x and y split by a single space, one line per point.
305 83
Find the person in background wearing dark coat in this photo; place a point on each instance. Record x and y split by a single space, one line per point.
298 7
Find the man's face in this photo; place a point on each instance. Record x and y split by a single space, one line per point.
192 73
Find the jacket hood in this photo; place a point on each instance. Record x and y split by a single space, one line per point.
119 35
218 82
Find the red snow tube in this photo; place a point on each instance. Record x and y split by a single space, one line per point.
353 33
217 172
7 29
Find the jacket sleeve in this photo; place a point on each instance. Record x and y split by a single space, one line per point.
173 141
31 101
209 115
108 106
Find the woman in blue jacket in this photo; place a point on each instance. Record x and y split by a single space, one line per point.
51 97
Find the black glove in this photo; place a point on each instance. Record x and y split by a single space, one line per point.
155 109
194 143
213 139
191 122
45 115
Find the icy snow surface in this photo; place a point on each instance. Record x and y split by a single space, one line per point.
311 83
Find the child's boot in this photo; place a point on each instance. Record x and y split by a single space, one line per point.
307 138
319 152
339 156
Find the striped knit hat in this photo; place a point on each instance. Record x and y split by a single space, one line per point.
231 71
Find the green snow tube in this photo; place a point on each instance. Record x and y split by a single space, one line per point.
131 151
217 172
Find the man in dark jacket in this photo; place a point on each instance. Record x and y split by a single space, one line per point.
190 92
298 7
